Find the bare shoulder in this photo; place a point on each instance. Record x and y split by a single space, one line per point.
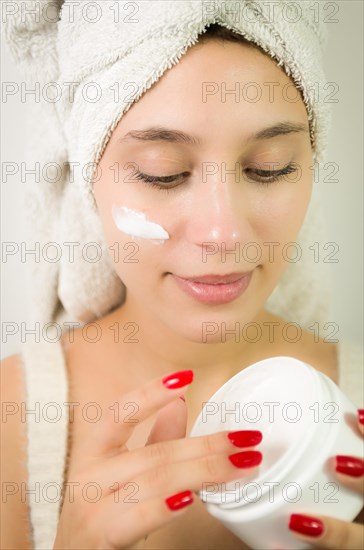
14 509
94 362
314 346
92 346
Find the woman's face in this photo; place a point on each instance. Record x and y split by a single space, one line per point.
220 214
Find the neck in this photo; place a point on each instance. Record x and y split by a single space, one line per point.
159 350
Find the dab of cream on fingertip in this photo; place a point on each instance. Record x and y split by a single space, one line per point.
136 224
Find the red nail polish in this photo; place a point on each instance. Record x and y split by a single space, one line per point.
245 438
180 500
361 416
306 525
178 379
349 465
246 459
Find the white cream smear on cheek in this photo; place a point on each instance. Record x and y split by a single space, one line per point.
136 224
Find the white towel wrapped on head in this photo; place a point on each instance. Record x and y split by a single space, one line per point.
88 50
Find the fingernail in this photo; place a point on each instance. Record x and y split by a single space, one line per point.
245 438
246 459
178 379
361 416
349 465
306 525
180 500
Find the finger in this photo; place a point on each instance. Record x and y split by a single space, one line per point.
119 420
326 532
361 420
151 486
349 471
163 429
193 474
125 528
127 466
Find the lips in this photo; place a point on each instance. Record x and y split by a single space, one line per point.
217 279
215 289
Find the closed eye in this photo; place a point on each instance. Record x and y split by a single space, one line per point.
161 179
259 176
270 176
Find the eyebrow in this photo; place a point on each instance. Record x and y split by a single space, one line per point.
159 133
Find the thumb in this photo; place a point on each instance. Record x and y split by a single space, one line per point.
171 423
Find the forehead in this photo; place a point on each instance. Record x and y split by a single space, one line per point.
219 85
225 63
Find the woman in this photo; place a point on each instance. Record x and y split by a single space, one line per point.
196 176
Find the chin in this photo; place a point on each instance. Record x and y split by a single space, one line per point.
215 327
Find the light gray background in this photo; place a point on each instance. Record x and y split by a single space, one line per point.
343 201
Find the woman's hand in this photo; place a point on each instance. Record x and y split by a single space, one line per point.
326 532
144 489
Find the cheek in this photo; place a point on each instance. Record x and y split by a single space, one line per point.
136 241
132 256
282 210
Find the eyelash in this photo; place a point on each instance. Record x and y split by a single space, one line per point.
155 181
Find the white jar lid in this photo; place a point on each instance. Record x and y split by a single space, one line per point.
278 396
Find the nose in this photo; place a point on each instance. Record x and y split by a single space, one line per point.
219 214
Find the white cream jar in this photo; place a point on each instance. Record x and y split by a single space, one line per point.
305 420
